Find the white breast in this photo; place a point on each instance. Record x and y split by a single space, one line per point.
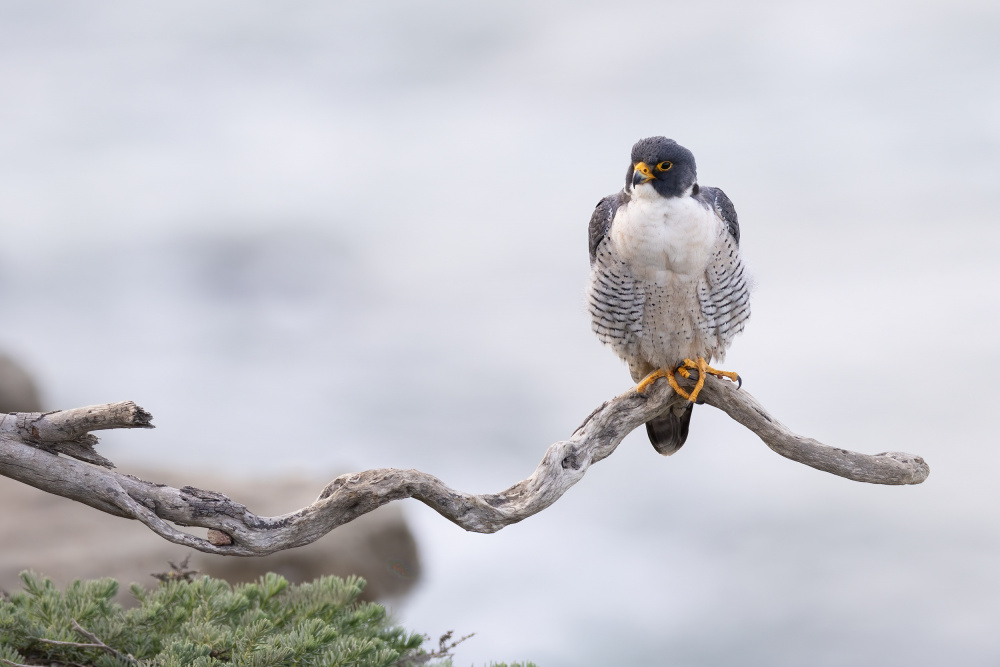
663 239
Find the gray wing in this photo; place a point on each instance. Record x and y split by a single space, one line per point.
717 199
724 293
614 298
600 221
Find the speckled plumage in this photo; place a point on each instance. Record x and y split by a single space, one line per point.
667 280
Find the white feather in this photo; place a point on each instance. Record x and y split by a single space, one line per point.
664 238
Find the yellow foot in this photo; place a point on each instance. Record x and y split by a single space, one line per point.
653 377
701 366
648 381
703 369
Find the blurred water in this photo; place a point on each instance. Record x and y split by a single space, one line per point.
263 222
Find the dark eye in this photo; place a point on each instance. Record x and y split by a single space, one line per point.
664 166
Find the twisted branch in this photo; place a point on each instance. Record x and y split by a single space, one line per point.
31 444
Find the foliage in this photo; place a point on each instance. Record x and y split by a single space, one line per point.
204 622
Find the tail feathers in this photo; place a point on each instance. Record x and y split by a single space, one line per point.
669 431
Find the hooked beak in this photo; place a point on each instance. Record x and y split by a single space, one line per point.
642 174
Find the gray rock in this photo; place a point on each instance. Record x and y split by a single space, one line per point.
18 392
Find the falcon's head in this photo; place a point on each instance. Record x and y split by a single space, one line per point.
663 164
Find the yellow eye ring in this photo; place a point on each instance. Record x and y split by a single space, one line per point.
664 166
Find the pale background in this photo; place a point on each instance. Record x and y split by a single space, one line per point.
257 218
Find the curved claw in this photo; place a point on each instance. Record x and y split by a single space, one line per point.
701 365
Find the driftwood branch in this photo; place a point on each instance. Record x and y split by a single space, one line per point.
55 452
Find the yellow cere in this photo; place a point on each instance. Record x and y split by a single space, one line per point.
644 169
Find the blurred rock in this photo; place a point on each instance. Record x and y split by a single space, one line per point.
378 546
18 392
66 540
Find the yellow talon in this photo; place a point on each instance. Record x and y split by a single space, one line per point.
704 369
656 375
651 378
701 366
676 387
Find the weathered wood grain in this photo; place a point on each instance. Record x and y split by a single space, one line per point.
31 444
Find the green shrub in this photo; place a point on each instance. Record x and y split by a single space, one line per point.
204 622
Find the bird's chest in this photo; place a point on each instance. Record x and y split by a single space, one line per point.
664 239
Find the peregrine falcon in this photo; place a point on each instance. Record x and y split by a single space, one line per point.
667 287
